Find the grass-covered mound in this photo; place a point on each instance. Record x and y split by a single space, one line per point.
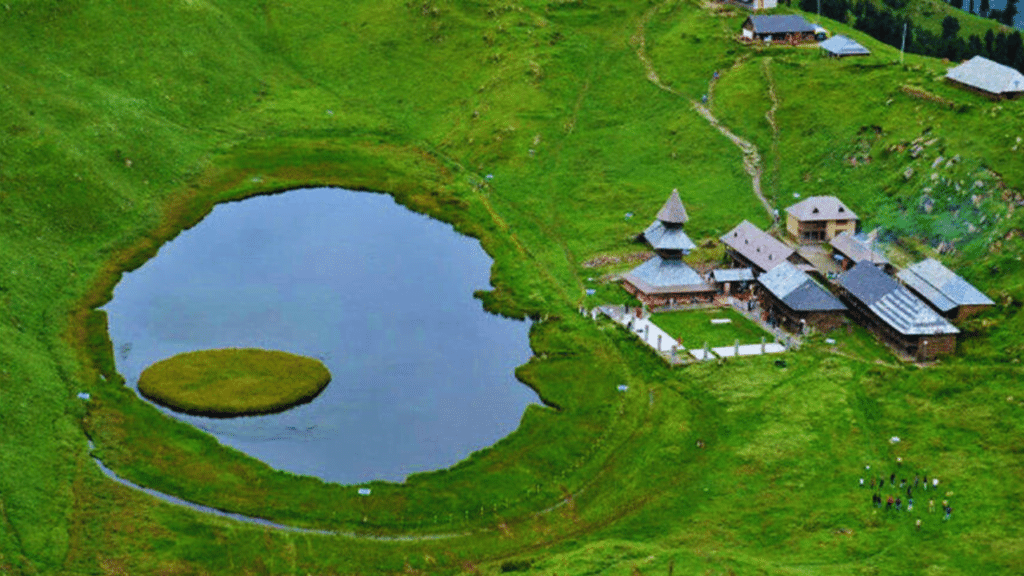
233 381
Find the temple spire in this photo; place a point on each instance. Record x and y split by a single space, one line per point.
673 212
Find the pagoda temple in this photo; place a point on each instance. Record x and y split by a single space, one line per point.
665 278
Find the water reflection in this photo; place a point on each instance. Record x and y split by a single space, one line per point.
422 376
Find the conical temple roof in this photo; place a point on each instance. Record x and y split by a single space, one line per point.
673 212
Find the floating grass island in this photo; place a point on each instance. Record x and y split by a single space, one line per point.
233 382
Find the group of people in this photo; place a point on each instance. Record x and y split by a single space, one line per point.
905 486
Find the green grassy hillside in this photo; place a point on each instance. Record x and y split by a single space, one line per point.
120 124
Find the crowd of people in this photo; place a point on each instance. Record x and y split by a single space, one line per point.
903 494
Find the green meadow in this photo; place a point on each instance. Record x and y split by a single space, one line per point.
533 126
693 328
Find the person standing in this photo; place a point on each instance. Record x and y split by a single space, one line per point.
888 503
931 505
899 503
918 524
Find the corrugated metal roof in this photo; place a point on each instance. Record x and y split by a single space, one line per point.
892 303
783 24
948 284
987 75
857 248
817 208
757 246
663 275
798 290
842 46
673 211
733 275
671 237
926 290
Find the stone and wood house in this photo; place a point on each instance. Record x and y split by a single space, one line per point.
789 28
945 291
792 299
750 247
988 78
849 249
819 219
877 301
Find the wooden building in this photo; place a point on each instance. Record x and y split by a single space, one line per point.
793 300
840 46
819 219
665 279
750 247
733 281
849 249
945 291
987 78
790 28
879 302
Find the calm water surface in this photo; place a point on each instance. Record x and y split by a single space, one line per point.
421 374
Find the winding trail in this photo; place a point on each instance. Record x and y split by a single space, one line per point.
260 522
751 156
770 116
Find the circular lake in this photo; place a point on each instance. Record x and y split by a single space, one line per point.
421 375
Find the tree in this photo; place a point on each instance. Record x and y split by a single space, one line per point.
1015 51
1009 13
990 39
958 4
999 53
983 9
974 45
950 27
972 7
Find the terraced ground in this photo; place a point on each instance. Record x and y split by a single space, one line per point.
122 124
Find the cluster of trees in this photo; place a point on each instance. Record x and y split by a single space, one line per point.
985 10
884 24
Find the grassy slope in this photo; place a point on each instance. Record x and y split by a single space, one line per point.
105 143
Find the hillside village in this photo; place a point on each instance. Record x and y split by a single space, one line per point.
820 274
979 74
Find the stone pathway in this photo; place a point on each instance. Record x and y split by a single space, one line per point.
647 331
659 340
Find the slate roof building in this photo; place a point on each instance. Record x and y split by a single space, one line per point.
988 78
849 249
944 290
751 247
780 28
899 317
665 278
733 280
839 46
819 219
792 299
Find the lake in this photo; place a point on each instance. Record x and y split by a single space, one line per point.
421 375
